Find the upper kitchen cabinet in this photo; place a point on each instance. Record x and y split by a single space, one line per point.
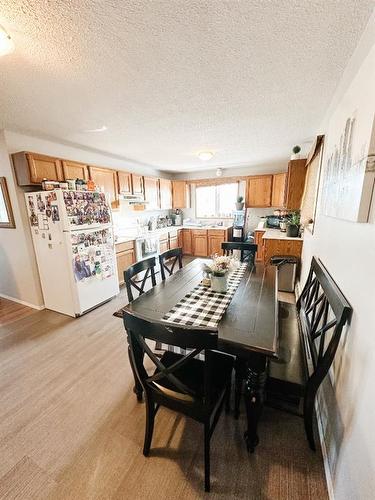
295 184
124 182
259 191
138 185
278 190
179 197
74 170
32 168
151 189
106 180
165 194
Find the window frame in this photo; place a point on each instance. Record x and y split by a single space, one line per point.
215 185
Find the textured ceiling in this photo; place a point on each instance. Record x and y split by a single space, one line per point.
247 79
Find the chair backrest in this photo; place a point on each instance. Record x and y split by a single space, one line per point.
131 276
248 250
193 339
322 311
168 261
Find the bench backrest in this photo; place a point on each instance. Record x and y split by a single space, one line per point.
323 311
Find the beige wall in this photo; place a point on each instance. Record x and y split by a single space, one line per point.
19 274
347 249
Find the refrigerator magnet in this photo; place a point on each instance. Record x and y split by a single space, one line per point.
55 213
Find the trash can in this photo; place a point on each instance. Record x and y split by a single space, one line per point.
286 271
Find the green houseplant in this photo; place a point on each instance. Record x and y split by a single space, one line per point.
293 224
240 203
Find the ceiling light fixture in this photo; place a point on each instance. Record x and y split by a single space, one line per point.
6 43
100 129
205 155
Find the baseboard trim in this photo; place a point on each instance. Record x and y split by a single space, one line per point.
327 469
24 303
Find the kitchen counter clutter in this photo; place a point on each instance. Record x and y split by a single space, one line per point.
275 242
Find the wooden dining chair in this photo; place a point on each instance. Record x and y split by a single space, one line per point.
180 382
248 250
132 280
168 261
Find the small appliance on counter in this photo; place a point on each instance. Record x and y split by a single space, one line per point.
239 220
273 221
177 217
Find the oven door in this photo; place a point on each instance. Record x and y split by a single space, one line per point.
146 248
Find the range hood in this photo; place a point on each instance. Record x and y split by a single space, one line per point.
133 199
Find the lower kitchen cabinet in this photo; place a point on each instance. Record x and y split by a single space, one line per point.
258 236
164 243
199 242
187 247
215 239
173 239
125 256
281 247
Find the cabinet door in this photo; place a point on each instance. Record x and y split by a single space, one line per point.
258 191
137 184
295 184
173 242
44 167
124 260
165 194
278 190
186 241
259 257
124 182
74 170
281 247
164 243
214 245
151 185
106 180
199 242
179 238
179 194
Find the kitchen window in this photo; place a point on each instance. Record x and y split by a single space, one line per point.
216 201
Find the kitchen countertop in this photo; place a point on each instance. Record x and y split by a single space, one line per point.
164 230
276 234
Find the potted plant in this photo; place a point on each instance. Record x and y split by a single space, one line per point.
240 203
219 269
293 224
296 150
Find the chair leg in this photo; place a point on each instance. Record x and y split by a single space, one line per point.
308 414
207 457
239 370
150 417
137 389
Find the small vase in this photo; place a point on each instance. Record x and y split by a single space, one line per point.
219 283
292 230
239 206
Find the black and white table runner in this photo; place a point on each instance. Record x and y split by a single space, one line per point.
202 307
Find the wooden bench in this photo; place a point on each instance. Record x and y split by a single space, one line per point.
310 333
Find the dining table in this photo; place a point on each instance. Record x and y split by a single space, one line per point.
248 329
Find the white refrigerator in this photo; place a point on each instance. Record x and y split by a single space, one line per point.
74 246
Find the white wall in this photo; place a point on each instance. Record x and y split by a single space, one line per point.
269 168
347 249
19 275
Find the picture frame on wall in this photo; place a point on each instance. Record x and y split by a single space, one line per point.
6 212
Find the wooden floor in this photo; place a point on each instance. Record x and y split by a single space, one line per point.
70 426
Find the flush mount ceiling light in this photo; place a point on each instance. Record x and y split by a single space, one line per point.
6 43
205 155
219 172
99 129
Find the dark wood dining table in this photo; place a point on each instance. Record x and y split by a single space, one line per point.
248 328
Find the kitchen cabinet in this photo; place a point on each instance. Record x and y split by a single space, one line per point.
199 242
258 191
295 184
179 238
32 168
138 185
173 239
165 186
214 240
125 256
186 242
124 182
281 247
278 190
74 170
151 190
179 196
106 180
164 243
258 237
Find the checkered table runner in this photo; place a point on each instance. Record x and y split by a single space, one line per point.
202 307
